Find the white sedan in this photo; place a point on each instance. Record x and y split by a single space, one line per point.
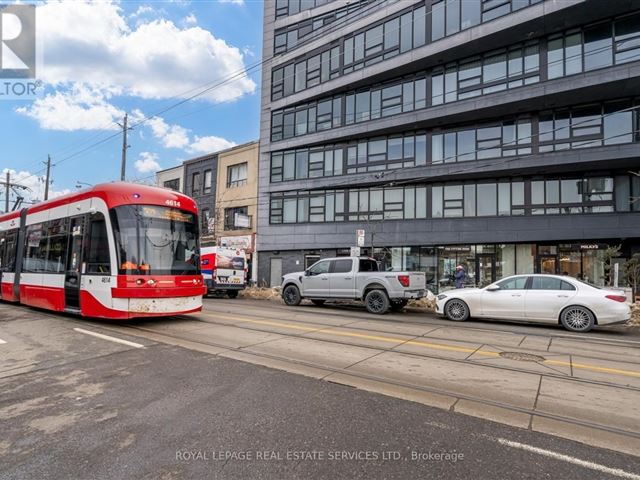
538 298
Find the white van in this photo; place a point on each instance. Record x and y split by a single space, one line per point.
224 270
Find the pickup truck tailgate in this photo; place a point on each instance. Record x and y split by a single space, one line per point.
417 280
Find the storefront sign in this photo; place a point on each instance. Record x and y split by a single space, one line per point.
457 249
592 246
244 242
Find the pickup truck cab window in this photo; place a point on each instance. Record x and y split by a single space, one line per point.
368 265
319 268
342 266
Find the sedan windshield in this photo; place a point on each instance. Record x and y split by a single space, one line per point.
156 240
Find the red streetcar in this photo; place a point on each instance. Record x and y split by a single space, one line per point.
115 250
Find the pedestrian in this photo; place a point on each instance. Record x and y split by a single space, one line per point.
460 276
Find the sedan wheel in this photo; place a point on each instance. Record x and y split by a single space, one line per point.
577 319
291 295
456 310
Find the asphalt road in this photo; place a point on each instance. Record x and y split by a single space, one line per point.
76 406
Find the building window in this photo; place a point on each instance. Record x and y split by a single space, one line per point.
195 184
402 95
594 47
378 154
237 218
286 39
237 175
483 199
587 195
172 184
402 32
208 181
205 219
492 72
508 139
285 8
584 126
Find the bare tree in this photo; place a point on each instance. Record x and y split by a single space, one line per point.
610 254
632 270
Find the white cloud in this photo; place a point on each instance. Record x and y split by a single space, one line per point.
190 19
209 144
79 108
91 43
142 10
35 186
176 136
171 136
233 2
147 163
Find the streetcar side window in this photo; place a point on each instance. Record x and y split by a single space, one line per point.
57 240
35 253
46 247
3 249
9 260
97 252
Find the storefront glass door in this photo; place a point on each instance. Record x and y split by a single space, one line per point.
485 270
547 264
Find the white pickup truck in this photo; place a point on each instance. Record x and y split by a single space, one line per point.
353 278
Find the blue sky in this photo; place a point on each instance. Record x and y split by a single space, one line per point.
100 60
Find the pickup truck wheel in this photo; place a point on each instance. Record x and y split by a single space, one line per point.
398 305
291 295
318 302
377 301
232 293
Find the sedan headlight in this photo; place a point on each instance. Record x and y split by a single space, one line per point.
442 296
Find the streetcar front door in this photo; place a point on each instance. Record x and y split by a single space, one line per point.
74 264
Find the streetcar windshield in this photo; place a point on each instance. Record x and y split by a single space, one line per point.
156 240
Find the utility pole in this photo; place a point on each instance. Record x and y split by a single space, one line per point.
7 186
46 183
7 191
123 166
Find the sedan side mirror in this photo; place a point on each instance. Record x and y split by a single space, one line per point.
493 288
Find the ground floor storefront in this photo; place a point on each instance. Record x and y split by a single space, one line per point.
590 260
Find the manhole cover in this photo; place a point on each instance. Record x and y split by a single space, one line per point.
523 357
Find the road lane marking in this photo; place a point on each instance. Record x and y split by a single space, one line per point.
107 337
594 368
433 346
2 341
617 472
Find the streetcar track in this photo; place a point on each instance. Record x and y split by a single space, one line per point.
349 312
392 350
397 383
495 343
124 327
